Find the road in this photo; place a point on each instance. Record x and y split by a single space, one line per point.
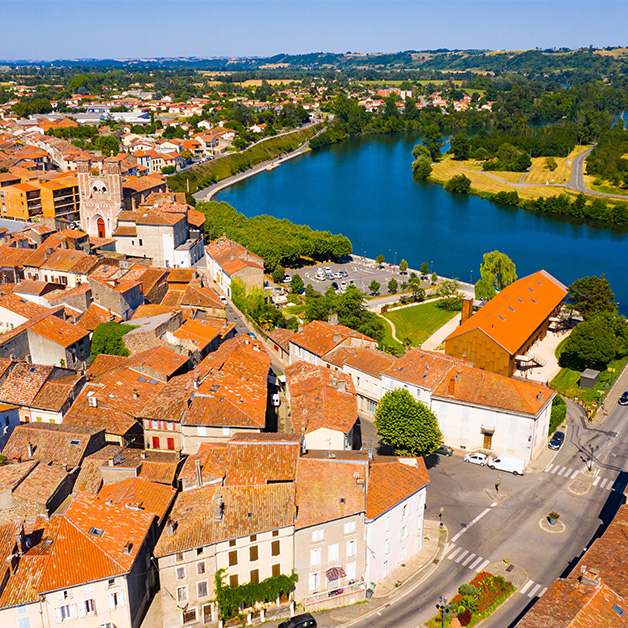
577 173
482 531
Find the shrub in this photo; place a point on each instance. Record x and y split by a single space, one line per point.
459 184
467 589
559 412
464 618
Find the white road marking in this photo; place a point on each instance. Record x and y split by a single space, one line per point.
451 556
534 590
575 473
542 593
596 481
549 468
469 559
484 512
562 470
525 587
461 556
603 483
476 562
448 549
486 562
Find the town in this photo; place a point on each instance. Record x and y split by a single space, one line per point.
194 436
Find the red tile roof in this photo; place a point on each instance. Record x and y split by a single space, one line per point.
320 338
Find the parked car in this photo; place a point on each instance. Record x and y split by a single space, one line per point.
343 285
557 440
623 400
334 285
287 279
444 450
276 400
508 463
299 621
339 275
480 459
327 270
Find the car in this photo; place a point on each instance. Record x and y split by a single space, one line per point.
287 279
344 273
480 459
327 270
557 440
508 463
444 450
330 276
623 400
334 285
276 400
338 275
299 621
250 333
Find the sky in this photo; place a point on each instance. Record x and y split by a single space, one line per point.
67 29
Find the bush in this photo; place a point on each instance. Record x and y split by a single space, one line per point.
467 589
559 412
464 618
460 184
109 338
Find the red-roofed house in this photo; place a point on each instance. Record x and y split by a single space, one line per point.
227 260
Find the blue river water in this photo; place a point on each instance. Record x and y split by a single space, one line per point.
364 189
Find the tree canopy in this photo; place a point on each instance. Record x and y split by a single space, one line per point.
406 424
591 296
497 271
109 338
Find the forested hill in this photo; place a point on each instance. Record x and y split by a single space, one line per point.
601 62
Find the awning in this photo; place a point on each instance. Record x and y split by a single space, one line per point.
335 573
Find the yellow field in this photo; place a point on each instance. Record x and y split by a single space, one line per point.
619 52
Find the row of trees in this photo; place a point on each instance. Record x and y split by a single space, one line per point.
276 241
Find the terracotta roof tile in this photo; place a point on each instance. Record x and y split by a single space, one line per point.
320 338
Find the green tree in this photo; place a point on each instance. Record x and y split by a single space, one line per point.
497 271
393 286
407 425
449 292
420 150
458 184
591 295
425 268
403 266
550 164
415 286
109 338
460 146
434 278
279 274
592 343
380 259
374 286
422 168
296 284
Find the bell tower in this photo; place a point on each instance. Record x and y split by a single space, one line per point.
101 196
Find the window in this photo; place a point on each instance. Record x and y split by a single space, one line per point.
201 588
387 546
226 431
276 570
182 594
189 615
404 533
253 538
199 551
350 571
200 568
387 526
313 582
66 612
274 548
404 511
253 553
233 581
67 595
179 558
332 553
96 531
315 557
350 527
233 558
357 381
201 430
254 576
232 543
111 583
275 532
141 243
385 568
23 622
117 599
88 607
351 545
317 535
180 573
404 553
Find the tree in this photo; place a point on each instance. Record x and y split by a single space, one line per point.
460 146
380 259
279 274
592 343
591 295
420 150
459 184
434 278
418 294
168 170
422 167
407 425
403 266
425 268
393 286
109 338
497 271
296 284
449 292
374 286
550 164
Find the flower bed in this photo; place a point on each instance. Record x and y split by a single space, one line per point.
492 591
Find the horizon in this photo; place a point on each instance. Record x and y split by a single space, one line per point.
65 30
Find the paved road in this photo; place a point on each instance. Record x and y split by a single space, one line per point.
577 171
482 530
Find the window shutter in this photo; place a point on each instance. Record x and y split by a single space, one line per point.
61 596
82 611
121 598
112 601
73 611
58 615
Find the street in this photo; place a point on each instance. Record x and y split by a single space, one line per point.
483 529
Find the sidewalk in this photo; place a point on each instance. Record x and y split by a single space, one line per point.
397 584
438 337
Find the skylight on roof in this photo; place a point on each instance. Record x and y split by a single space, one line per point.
142 379
152 381
96 531
75 441
620 611
501 318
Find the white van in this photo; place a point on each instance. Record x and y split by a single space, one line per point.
508 463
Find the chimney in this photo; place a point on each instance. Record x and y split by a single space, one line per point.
109 501
458 377
539 396
171 527
219 508
337 338
341 385
370 453
467 309
199 474
333 320
143 455
452 387
136 395
65 466
30 449
111 462
196 383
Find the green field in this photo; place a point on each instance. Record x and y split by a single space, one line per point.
419 322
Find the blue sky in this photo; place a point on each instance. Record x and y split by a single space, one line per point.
60 29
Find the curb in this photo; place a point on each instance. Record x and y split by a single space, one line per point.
423 573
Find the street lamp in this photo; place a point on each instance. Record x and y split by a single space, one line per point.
471 279
431 263
592 451
442 607
396 264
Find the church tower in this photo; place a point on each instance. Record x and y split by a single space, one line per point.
101 197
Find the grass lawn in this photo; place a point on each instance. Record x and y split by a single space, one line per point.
388 340
297 308
419 322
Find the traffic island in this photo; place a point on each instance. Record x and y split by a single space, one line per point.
580 486
545 525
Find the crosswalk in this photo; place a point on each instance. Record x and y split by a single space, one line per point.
466 558
532 589
570 473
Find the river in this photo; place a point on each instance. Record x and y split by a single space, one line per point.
363 188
